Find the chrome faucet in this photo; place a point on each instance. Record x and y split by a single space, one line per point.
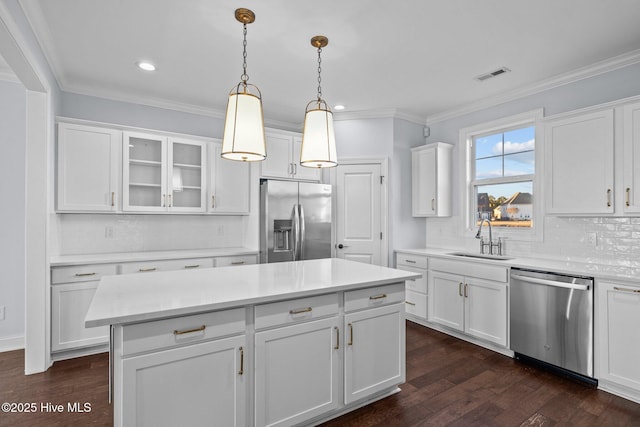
490 242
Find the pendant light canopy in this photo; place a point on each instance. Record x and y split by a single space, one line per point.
318 138
244 138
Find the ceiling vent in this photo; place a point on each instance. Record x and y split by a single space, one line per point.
492 74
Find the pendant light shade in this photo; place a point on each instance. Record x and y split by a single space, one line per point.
318 137
243 138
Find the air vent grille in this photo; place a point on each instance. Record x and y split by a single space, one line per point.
492 74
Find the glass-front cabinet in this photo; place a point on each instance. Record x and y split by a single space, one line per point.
163 174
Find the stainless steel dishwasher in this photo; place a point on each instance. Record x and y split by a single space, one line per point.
552 320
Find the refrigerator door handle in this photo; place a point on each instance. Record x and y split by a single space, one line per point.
295 224
302 231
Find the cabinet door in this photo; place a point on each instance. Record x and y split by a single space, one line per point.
297 372
186 176
88 166
423 190
301 172
200 384
69 305
446 300
486 310
374 351
144 172
278 163
579 164
631 201
619 347
230 184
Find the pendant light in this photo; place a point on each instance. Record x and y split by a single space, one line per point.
243 138
318 138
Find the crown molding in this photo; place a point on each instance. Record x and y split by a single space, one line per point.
390 113
592 70
9 76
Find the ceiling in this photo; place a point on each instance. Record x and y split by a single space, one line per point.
417 58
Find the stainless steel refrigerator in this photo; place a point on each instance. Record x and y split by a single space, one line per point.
295 221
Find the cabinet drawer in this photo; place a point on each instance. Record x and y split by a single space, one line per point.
165 265
178 331
297 310
416 304
81 273
420 284
471 269
373 297
224 261
419 261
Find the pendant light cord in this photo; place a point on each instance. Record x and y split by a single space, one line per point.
244 77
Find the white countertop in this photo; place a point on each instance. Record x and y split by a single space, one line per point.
590 268
107 258
133 298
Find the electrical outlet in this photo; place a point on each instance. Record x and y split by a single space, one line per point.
592 238
108 232
221 230
1 312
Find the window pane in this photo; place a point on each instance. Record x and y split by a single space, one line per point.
519 140
489 168
519 164
506 205
488 146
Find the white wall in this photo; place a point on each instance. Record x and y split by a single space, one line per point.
564 238
12 225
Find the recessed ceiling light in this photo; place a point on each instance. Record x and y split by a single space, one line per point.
146 66
338 107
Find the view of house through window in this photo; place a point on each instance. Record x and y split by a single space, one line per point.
503 179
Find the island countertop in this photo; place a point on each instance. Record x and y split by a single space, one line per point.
136 298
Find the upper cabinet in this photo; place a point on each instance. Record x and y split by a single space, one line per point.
631 135
283 158
229 189
88 168
579 160
431 180
163 174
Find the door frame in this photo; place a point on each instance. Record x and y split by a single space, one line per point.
384 203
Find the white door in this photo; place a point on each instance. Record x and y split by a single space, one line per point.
632 158
486 310
230 184
278 161
446 300
358 213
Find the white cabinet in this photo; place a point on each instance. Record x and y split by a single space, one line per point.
163 174
184 370
431 189
416 289
470 298
283 158
223 261
88 168
618 348
631 135
72 290
165 265
229 184
579 157
297 365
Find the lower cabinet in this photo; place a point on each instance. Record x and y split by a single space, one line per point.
619 346
416 296
297 372
476 306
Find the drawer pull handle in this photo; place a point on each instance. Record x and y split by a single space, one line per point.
337 347
237 263
608 197
350 334
410 303
410 261
188 331
381 296
192 266
146 270
300 310
628 192
113 198
633 291
85 274
241 371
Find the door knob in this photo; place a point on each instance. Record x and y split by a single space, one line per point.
340 246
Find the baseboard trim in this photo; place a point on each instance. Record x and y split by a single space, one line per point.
11 344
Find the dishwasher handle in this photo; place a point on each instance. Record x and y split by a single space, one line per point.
550 282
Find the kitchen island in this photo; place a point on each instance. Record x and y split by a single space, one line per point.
269 344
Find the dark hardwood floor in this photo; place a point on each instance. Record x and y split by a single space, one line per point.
449 383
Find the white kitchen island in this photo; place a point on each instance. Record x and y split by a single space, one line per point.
289 343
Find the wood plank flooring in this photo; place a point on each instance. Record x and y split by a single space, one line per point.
449 383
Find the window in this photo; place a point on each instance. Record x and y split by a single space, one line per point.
501 174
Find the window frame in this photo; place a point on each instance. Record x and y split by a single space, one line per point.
469 182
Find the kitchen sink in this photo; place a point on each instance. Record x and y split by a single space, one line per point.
481 256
